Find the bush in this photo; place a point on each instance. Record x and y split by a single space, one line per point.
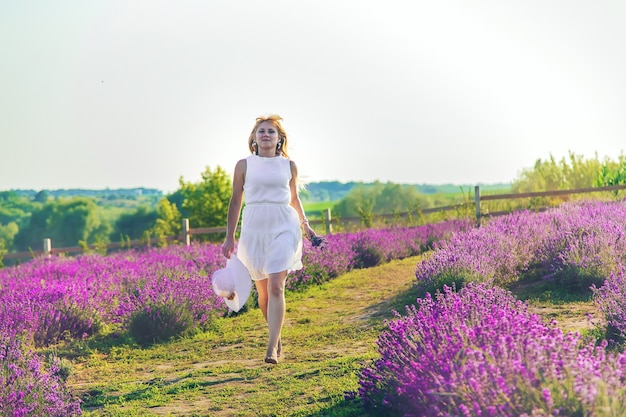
453 278
366 254
159 323
65 322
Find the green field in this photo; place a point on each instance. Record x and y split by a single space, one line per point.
315 209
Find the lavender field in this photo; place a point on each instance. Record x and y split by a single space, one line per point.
153 294
479 352
469 349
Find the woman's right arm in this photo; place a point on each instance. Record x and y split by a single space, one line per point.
234 208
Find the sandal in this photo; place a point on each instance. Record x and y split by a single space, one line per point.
272 360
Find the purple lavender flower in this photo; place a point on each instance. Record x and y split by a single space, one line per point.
480 352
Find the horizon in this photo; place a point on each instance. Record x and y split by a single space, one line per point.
312 182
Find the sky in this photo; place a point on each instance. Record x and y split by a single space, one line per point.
140 93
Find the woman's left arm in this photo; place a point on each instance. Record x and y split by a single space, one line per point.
296 203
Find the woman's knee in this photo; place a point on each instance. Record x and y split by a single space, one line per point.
276 289
276 285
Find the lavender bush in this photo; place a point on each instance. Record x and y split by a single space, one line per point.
576 243
49 299
322 264
346 251
611 301
479 352
160 322
27 389
587 243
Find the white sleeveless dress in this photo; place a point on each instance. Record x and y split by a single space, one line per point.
271 239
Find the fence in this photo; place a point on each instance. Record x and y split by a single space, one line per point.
326 221
478 198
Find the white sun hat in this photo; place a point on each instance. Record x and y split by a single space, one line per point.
233 283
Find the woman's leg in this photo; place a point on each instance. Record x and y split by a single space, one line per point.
275 313
261 288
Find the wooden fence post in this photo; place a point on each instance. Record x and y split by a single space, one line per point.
186 236
47 247
477 204
329 224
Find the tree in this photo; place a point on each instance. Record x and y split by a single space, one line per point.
377 198
133 225
396 198
566 174
612 173
74 220
31 235
358 202
15 208
42 196
67 222
7 235
206 202
168 222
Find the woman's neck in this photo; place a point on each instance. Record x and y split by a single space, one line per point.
266 155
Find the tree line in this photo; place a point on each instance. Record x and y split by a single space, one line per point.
111 216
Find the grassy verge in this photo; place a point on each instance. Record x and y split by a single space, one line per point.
329 334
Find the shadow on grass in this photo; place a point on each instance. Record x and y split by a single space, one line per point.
97 398
83 348
346 408
385 309
534 287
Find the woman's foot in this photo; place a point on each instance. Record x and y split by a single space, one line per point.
271 356
272 360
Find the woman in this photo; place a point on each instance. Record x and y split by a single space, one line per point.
270 244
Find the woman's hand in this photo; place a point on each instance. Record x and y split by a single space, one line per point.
228 247
308 232
316 241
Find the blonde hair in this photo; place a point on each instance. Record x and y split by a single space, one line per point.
281 149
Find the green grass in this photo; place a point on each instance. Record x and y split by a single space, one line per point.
329 335
314 209
572 308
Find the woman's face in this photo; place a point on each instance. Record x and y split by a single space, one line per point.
267 137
